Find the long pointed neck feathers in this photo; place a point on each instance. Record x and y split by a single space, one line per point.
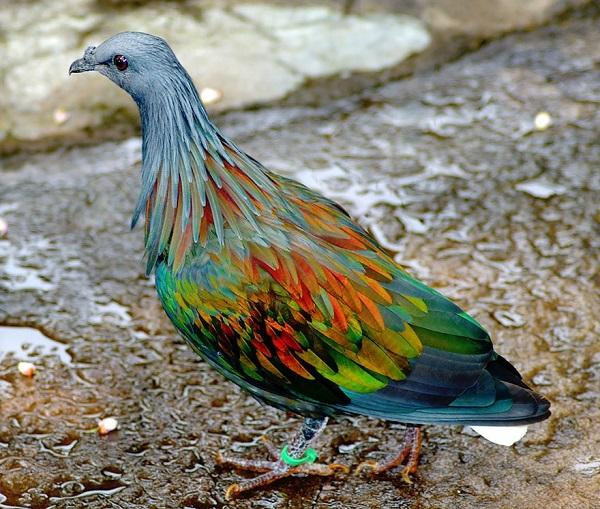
196 185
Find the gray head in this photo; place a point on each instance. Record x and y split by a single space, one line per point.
135 61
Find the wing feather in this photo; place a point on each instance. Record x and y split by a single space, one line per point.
321 317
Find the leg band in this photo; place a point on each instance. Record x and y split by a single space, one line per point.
310 456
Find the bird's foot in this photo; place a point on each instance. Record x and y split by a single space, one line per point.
411 450
275 469
295 458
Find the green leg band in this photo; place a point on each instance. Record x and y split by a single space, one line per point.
310 456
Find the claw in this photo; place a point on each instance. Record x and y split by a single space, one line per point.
411 450
233 491
366 465
405 475
339 468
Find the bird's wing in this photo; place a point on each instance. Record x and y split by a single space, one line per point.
377 292
330 321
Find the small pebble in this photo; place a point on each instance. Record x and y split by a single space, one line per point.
210 95
26 368
3 228
106 425
542 121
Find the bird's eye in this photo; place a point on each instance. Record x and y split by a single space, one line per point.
120 62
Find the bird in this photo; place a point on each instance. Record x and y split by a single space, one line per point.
277 288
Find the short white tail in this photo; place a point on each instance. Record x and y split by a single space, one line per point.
501 435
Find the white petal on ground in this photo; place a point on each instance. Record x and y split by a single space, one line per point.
106 425
542 121
210 95
26 368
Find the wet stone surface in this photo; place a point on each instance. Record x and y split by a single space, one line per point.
439 167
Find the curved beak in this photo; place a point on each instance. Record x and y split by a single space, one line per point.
87 63
80 65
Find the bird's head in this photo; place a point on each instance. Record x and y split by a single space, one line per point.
135 61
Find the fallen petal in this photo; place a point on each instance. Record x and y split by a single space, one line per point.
61 116
542 121
210 95
106 425
26 368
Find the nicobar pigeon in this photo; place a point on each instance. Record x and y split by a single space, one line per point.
284 294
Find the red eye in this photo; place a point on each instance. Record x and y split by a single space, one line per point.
120 62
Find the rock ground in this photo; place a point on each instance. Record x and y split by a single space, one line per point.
250 52
447 169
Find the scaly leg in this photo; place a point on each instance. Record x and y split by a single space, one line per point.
411 450
296 458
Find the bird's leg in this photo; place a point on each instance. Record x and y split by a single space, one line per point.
411 450
296 458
